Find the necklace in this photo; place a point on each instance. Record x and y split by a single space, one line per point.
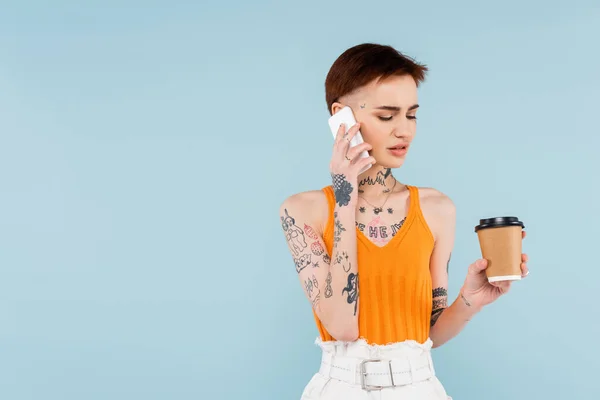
379 209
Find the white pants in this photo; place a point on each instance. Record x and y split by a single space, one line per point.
359 371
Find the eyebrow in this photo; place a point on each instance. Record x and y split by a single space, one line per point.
394 108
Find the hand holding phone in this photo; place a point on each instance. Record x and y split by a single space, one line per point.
348 162
346 116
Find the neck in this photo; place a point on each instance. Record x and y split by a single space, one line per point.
376 181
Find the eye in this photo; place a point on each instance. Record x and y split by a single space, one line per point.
385 118
411 117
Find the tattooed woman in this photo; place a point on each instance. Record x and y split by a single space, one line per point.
372 253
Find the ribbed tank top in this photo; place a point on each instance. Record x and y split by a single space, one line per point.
395 290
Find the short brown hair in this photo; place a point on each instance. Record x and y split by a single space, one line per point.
361 64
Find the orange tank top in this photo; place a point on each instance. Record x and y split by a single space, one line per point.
395 293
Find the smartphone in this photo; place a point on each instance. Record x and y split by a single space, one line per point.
346 116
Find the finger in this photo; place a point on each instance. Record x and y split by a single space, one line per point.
353 152
340 133
524 257
524 270
363 162
478 266
523 234
348 136
502 285
505 286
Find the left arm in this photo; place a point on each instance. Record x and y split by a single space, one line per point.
475 293
446 321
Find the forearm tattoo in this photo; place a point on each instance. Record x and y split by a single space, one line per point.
339 228
342 189
312 290
328 290
440 303
352 289
343 259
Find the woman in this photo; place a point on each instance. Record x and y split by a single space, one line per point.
379 290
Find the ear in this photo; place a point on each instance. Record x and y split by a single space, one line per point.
337 106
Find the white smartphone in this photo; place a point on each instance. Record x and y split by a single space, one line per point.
346 116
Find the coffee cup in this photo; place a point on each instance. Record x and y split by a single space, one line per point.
500 240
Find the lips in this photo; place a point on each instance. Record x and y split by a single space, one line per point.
399 150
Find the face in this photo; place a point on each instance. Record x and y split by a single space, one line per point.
387 113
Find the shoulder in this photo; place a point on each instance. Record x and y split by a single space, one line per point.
434 201
310 205
438 210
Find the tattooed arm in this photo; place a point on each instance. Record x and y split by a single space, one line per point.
446 322
331 285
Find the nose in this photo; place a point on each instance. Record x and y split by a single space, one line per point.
404 129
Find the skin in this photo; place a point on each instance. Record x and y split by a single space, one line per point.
382 205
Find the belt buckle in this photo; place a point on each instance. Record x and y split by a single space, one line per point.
363 374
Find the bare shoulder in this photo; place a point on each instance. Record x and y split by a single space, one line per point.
436 202
310 205
438 209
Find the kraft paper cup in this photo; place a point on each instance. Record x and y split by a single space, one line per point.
500 240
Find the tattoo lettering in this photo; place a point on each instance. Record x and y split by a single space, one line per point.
377 232
312 290
338 230
396 227
342 189
326 258
302 262
352 289
328 290
293 234
360 226
317 249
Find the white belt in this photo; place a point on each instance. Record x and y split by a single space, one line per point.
376 374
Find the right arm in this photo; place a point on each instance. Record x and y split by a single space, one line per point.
331 283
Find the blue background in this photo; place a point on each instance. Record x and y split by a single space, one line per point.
145 148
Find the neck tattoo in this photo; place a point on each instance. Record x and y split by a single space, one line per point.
379 209
379 179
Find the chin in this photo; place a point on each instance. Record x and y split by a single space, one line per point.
391 162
